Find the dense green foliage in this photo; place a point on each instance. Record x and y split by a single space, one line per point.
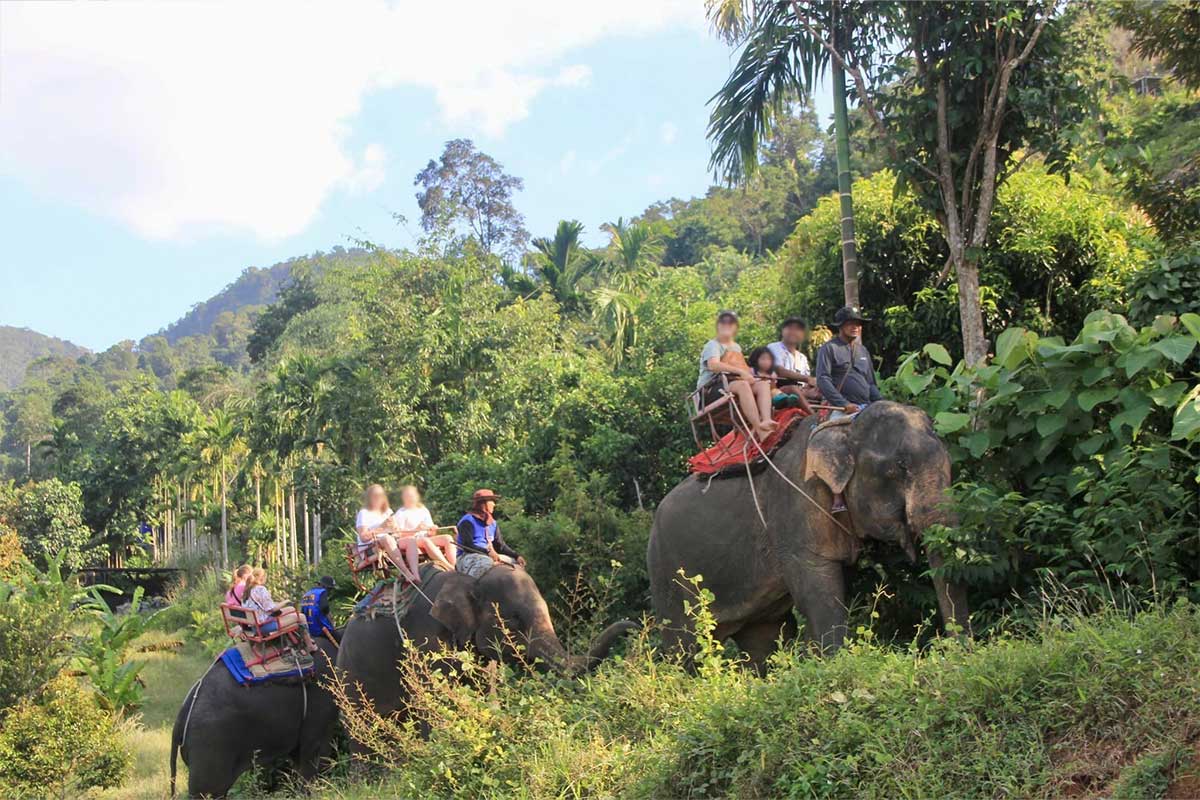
1028 717
60 743
556 374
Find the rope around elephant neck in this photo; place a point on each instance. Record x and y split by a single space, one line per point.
778 471
303 686
195 693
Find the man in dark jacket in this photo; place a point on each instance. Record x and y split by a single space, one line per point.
845 374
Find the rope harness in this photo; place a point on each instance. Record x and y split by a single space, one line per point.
766 458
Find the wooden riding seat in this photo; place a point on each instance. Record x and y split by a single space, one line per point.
241 624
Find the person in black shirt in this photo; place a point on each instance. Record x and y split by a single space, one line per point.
845 374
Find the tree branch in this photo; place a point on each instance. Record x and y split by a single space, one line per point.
853 71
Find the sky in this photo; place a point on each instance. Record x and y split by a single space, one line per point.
151 152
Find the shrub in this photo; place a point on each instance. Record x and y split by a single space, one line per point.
60 744
49 520
102 655
1074 463
35 619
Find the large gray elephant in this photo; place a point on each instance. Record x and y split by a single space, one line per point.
229 725
892 469
456 611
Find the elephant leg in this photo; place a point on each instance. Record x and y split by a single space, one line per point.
758 640
820 594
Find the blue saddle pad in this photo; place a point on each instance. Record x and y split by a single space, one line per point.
236 664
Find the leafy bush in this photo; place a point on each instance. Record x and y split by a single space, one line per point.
1055 252
1170 285
102 656
1073 463
1049 715
35 619
60 744
49 519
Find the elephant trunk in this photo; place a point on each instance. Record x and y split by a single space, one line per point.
550 650
926 507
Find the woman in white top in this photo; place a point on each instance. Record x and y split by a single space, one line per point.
375 526
258 599
412 520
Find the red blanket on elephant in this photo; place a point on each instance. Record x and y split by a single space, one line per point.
736 449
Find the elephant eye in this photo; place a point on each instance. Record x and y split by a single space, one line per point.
902 465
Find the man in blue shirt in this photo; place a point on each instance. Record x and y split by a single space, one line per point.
479 531
845 374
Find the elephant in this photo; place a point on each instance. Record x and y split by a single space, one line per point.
893 471
457 611
228 724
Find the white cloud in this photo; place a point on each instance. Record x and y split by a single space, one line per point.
668 132
193 116
370 172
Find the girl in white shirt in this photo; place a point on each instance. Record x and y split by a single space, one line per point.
413 520
375 525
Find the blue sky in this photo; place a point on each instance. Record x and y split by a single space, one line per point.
144 164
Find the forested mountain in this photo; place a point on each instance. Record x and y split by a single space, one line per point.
256 286
20 346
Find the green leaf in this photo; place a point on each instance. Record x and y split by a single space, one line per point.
938 353
1176 348
1192 323
1010 350
1090 398
977 443
1058 398
915 384
950 421
1050 424
1168 395
1137 360
1187 416
1092 445
1133 417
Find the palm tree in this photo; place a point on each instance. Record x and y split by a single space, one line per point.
781 59
221 445
562 264
633 252
614 310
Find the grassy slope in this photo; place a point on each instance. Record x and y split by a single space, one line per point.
168 675
1094 706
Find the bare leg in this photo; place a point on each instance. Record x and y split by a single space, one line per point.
762 393
433 548
448 549
406 562
743 395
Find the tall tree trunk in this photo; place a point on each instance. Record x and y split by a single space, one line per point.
317 546
975 342
295 543
224 527
841 125
257 495
28 459
307 534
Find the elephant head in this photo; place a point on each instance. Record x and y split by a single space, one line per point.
894 472
481 611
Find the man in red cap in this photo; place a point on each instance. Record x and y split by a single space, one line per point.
480 544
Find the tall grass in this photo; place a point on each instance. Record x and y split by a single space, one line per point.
1066 708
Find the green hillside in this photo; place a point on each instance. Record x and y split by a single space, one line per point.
256 286
20 346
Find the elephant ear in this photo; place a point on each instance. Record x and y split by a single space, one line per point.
457 608
830 458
